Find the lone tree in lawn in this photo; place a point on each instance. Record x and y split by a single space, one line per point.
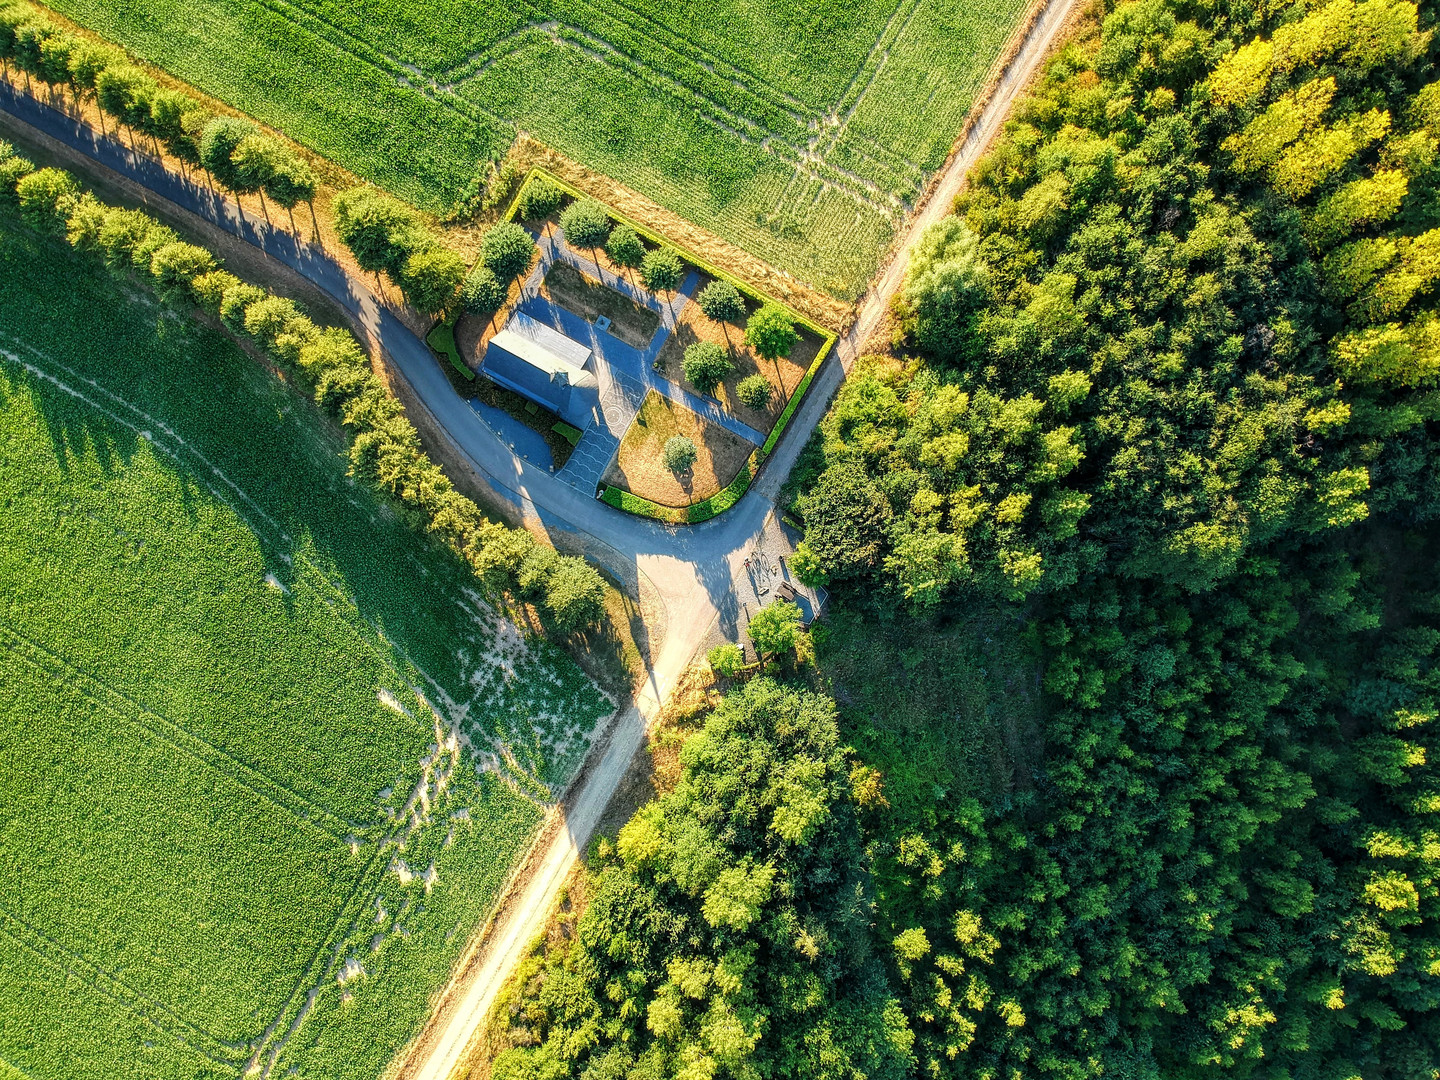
586 225
754 391
482 293
771 333
775 628
540 199
720 301
219 140
431 277
680 453
706 365
662 270
506 250
625 248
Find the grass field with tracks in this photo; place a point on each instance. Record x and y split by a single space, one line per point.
798 131
231 828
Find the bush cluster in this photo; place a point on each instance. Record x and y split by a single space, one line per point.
387 236
385 450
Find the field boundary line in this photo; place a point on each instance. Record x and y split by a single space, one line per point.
41 944
718 115
95 690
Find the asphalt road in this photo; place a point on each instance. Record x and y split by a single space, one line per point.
691 567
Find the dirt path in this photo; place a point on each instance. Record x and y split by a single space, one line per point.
1044 31
463 1008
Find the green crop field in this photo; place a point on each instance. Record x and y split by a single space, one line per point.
264 760
798 131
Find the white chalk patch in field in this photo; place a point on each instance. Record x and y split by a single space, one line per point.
390 701
352 970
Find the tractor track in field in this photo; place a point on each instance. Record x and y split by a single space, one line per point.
692 569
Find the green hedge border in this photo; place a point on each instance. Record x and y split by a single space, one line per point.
722 500
694 514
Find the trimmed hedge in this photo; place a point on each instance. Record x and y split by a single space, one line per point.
442 340
796 398
694 514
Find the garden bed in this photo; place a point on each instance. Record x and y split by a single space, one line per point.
639 467
576 291
784 375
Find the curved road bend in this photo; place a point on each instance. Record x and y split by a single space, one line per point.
692 567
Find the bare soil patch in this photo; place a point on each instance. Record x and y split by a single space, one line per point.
587 297
639 468
784 375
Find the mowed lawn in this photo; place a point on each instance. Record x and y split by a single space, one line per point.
798 131
231 830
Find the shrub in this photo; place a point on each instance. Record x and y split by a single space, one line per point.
498 554
506 250
754 390
535 570
540 199
83 225
625 247
121 231
378 230
13 168
586 224
267 319
46 197
156 237
209 289
233 304
175 267
482 293
662 270
680 453
725 660
706 365
430 278
721 302
574 594
775 628
771 332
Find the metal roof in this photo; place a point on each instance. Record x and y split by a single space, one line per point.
546 338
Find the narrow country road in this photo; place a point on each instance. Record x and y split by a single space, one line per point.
692 568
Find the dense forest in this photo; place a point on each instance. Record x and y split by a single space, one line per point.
1164 394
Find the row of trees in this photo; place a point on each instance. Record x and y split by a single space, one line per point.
235 153
385 450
